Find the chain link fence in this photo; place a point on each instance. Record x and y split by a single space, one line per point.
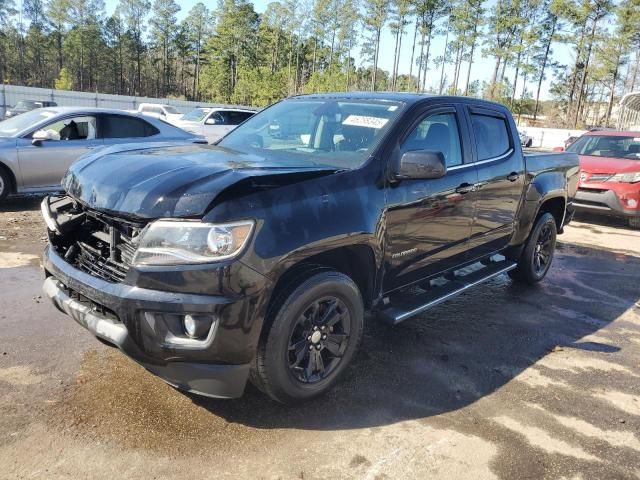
12 94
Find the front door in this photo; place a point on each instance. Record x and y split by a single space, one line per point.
43 165
216 127
429 221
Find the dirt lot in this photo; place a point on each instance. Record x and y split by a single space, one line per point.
503 382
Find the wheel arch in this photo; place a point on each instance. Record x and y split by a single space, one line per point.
556 206
358 262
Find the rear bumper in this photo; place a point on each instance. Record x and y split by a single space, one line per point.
604 202
103 308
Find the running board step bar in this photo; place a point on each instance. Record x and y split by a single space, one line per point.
405 305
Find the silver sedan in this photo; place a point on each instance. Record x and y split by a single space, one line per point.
37 147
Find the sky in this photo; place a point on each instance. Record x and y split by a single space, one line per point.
482 68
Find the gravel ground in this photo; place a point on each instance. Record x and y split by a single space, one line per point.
502 382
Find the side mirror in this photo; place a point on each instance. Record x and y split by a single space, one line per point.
210 121
40 136
558 149
421 164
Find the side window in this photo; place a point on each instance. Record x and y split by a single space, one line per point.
492 136
75 128
437 132
236 118
216 118
120 126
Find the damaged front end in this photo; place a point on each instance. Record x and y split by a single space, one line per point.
189 324
93 242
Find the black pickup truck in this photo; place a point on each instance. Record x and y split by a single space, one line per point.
257 258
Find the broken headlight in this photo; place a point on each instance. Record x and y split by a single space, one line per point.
167 242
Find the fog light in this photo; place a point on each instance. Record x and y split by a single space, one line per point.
196 326
632 203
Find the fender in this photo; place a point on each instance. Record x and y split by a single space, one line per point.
298 221
544 186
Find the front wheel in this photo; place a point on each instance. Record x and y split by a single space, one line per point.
5 184
537 255
634 222
310 338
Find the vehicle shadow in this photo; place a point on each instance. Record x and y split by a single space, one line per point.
463 350
21 203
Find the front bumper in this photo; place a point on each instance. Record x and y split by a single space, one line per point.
604 202
114 313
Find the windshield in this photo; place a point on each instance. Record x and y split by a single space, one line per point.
171 110
15 125
607 146
195 115
316 131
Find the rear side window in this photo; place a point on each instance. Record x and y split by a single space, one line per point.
236 118
119 126
492 136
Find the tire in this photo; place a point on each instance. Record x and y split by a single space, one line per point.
5 184
320 318
634 222
537 255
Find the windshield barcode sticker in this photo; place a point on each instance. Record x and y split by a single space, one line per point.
363 121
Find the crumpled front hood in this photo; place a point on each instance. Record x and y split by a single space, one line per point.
167 180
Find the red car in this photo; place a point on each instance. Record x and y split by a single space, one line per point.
609 174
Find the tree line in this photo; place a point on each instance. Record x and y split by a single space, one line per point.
232 54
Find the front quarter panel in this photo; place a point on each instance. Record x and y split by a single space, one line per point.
297 221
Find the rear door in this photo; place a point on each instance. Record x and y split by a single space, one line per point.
429 221
116 129
501 177
43 165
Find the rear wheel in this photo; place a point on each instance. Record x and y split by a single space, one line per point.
537 255
634 222
311 338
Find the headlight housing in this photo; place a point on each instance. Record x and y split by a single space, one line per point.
168 242
632 177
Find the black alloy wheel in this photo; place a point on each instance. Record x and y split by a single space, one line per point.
319 339
537 254
310 335
543 250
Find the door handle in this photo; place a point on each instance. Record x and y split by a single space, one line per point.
465 188
513 176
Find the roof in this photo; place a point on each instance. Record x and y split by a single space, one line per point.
404 97
612 133
226 109
89 110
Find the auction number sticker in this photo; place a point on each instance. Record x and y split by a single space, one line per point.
365 121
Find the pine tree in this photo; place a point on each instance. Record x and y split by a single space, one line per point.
376 14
